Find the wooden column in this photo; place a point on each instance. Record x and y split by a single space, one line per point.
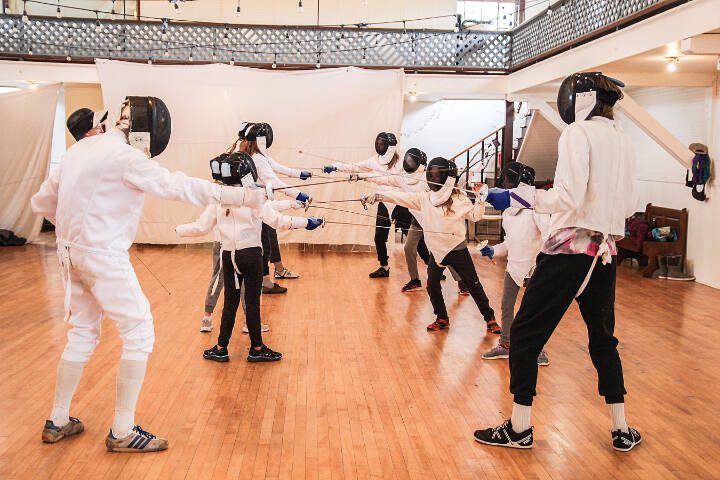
507 141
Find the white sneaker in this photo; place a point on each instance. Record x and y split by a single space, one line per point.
206 324
285 273
263 328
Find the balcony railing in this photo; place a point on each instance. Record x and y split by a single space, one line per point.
82 39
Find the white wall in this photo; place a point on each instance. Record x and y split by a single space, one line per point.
269 12
446 127
688 114
285 12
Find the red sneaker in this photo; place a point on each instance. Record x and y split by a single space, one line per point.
493 327
439 324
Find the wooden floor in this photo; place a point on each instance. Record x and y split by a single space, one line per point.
363 390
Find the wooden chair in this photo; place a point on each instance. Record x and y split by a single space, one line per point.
663 217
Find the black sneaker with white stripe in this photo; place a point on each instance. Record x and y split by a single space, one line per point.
505 436
624 442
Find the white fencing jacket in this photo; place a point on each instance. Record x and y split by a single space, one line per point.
95 197
443 232
239 227
376 163
525 232
266 175
405 182
594 180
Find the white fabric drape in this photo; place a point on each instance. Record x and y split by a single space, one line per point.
335 113
28 118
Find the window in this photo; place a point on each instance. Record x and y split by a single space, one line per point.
498 15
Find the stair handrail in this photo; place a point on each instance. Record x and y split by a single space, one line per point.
494 132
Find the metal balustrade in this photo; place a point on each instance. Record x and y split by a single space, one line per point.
46 38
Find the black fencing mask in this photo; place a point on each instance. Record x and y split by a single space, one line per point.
413 159
234 169
580 93
438 171
516 173
257 130
244 127
383 141
81 121
149 125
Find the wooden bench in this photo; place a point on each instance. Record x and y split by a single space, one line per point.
649 250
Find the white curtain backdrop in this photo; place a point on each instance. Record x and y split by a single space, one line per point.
335 113
26 134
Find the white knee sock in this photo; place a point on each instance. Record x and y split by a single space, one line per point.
520 417
68 377
130 376
617 413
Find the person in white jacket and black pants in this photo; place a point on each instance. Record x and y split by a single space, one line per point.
239 230
593 194
95 198
525 230
386 162
442 213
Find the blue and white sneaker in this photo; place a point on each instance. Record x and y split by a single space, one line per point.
138 441
52 433
505 436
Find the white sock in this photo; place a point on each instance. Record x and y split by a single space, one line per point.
520 417
68 377
268 281
617 413
130 376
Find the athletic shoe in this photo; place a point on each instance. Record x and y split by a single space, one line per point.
381 272
217 354
285 274
52 433
500 351
505 436
263 355
263 328
439 324
493 327
543 359
624 442
206 324
138 441
274 289
462 288
412 286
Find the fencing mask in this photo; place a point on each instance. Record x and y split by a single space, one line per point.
244 127
234 169
580 93
147 124
413 159
516 173
262 134
384 141
438 171
82 121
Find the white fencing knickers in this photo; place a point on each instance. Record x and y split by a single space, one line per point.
99 283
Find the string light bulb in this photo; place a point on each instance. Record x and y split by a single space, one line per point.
68 58
238 9
167 52
25 17
300 8
232 61
30 50
58 12
274 64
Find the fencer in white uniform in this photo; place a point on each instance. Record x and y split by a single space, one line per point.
95 199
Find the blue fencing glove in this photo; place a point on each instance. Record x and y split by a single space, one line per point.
302 197
329 169
304 175
499 198
488 251
313 223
